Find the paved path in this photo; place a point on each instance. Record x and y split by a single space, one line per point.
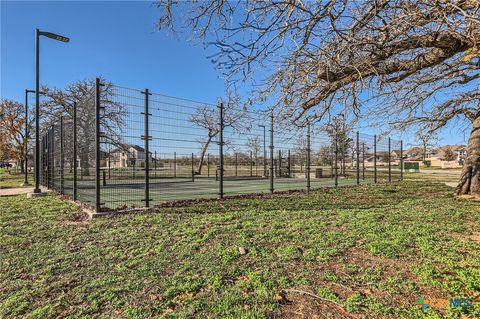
441 171
452 184
15 191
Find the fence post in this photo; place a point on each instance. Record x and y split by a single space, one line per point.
74 151
220 184
363 160
175 164
97 145
279 172
251 164
358 158
389 162
146 139
155 164
401 160
193 169
62 159
236 164
50 157
109 164
307 170
271 152
44 159
43 177
51 176
336 158
53 156
26 183
47 157
289 162
375 158
264 152
40 161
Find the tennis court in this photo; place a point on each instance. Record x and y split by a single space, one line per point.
100 153
116 194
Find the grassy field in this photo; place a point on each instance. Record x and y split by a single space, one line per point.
13 179
366 252
439 175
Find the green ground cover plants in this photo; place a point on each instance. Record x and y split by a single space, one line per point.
354 252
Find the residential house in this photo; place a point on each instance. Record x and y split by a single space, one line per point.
437 159
128 155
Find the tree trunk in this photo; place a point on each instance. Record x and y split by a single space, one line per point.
202 155
470 179
21 163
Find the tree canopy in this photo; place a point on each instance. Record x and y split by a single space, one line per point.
12 131
401 62
314 55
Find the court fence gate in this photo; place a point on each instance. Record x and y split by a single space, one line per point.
119 148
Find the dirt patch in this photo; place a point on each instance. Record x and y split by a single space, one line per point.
76 219
475 198
350 271
303 303
475 236
75 223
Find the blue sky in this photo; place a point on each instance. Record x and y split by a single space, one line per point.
116 40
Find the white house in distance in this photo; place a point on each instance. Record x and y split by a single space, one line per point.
436 157
128 155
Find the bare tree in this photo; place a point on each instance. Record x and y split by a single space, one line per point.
427 140
255 146
208 118
301 148
339 132
317 57
325 155
60 102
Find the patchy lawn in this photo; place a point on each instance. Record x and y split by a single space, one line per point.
13 179
366 252
435 175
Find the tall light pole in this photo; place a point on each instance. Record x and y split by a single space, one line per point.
264 152
60 38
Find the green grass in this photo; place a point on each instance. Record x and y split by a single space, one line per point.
440 176
12 179
369 251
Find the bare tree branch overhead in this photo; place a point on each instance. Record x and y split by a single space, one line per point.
403 62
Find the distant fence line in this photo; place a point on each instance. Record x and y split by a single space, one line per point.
121 148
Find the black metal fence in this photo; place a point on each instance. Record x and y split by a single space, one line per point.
121 148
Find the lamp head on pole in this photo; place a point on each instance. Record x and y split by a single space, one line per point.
54 36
